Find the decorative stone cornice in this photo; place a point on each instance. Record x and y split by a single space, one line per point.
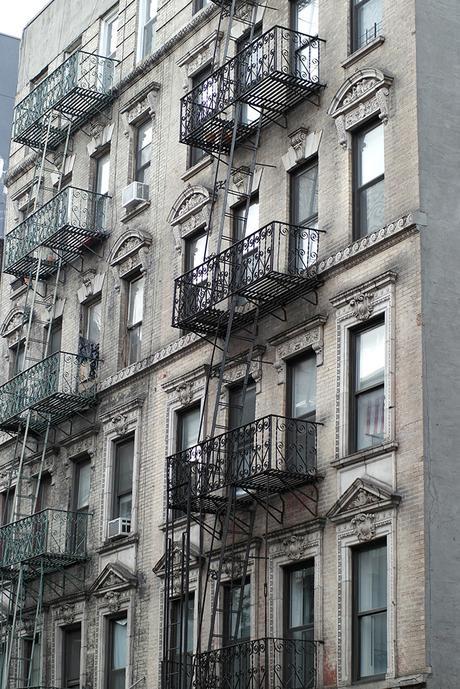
129 252
357 505
304 145
356 249
360 299
19 169
296 340
183 387
92 285
189 212
200 54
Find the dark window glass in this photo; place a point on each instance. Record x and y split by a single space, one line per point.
202 97
123 478
368 386
32 661
366 21
17 358
43 492
181 640
143 151
301 404
369 174
304 213
242 413
370 610
135 316
72 654
117 653
7 506
299 625
55 337
237 629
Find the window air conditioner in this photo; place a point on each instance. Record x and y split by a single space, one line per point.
118 527
135 193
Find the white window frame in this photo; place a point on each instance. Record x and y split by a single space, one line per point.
105 615
59 631
354 308
141 27
109 18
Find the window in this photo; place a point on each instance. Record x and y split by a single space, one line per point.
32 661
108 37
82 486
101 186
369 172
123 479
44 490
135 315
7 502
240 228
199 4
195 250
202 99
249 68
71 656
188 428
117 655
237 628
143 151
367 386
301 405
181 636
242 413
17 358
147 28
305 16
299 625
91 322
55 337
247 269
304 213
370 610
366 21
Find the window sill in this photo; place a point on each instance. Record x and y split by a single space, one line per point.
361 52
117 543
200 165
18 292
136 211
363 455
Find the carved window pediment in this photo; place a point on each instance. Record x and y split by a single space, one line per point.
130 251
308 335
200 55
92 286
141 107
189 213
114 577
13 322
361 96
364 495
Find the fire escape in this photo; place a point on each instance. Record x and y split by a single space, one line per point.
42 550
227 493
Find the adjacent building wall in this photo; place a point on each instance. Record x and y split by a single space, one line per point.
9 56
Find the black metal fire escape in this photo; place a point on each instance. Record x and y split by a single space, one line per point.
38 546
233 481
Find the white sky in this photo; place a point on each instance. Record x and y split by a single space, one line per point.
15 14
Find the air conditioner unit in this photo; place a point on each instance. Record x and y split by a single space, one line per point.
118 527
135 193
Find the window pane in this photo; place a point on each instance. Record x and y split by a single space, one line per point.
83 482
307 17
237 416
373 642
303 387
301 603
177 607
93 325
136 301
244 627
55 338
103 174
368 17
252 224
371 208
119 644
372 578
125 506
371 155
370 353
370 418
111 45
305 201
189 425
194 251
134 344
124 466
72 652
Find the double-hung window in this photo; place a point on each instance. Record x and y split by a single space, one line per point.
366 21
201 107
367 386
241 417
32 661
147 28
304 16
91 325
117 653
245 261
301 409
135 316
123 479
102 189
237 630
304 214
249 67
370 611
17 354
187 436
108 35
369 175
299 666
181 638
143 151
71 656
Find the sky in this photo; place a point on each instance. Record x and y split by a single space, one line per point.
15 14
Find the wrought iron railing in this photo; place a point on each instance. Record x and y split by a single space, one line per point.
57 386
66 224
77 88
273 72
252 664
274 449
278 250
55 534
370 34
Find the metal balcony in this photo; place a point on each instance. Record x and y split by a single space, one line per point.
252 664
54 389
77 90
64 226
270 267
271 454
272 74
46 541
